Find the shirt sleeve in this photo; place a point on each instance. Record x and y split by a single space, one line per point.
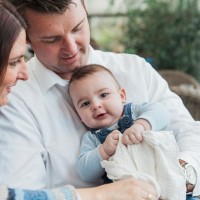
66 192
23 156
89 160
155 113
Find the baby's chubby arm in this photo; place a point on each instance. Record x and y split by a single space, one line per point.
108 148
92 152
88 162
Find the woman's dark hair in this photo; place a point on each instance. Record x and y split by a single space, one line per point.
11 24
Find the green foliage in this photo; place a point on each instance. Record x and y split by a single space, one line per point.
168 32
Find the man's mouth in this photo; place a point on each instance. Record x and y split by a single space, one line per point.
69 60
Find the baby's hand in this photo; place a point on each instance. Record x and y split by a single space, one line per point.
109 146
133 135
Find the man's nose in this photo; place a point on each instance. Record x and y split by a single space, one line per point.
69 45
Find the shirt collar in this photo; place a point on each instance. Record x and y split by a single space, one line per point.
91 55
46 77
94 57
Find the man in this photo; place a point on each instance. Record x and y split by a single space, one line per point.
43 131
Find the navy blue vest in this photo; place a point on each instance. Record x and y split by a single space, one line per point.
125 122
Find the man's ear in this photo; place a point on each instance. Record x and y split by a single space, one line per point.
123 95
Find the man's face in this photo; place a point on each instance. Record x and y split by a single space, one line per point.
60 41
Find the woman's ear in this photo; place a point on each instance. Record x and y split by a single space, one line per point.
123 95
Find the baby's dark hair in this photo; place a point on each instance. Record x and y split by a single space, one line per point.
88 70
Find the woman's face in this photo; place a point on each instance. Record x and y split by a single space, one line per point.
16 68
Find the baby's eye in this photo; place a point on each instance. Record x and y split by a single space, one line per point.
86 103
104 94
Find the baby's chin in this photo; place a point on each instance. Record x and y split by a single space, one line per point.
106 125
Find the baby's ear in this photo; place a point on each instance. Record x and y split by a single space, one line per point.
123 95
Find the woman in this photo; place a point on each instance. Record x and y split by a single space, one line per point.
12 69
13 47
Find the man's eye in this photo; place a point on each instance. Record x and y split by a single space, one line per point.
51 41
78 28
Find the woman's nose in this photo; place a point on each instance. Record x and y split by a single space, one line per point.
23 72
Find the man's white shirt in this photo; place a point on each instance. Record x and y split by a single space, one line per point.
40 132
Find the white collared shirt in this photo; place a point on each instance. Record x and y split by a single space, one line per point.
40 132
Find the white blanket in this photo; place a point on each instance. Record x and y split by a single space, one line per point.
154 160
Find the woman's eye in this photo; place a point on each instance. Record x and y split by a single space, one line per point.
13 64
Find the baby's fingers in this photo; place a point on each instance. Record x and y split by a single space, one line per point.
132 138
115 134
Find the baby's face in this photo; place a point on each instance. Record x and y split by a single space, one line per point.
98 99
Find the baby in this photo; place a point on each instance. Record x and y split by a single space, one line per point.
101 104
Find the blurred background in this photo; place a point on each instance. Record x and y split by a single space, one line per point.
165 32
